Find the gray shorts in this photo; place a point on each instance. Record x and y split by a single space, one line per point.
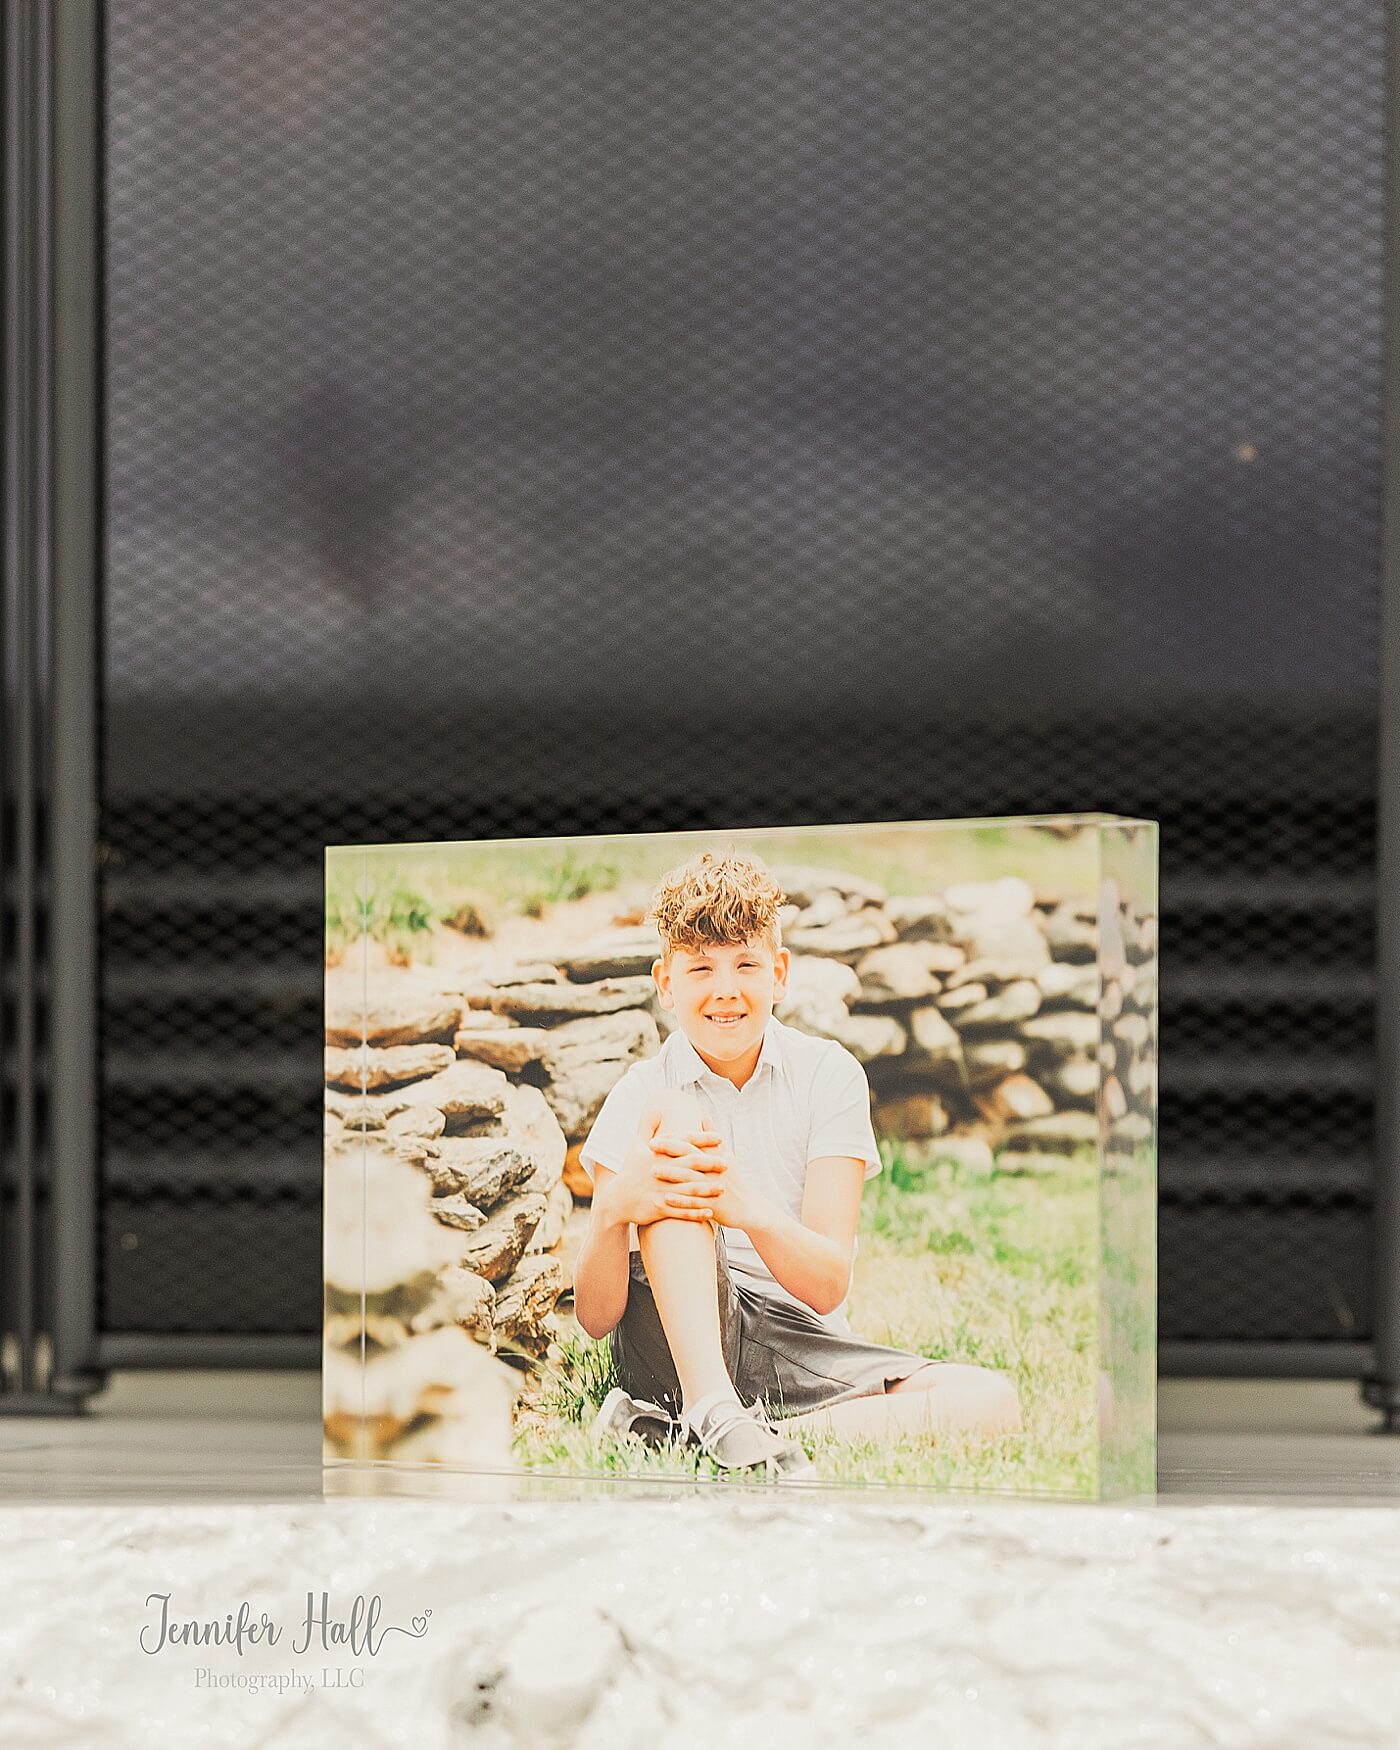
777 1353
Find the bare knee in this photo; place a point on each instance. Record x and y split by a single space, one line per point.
662 1234
1002 1409
975 1398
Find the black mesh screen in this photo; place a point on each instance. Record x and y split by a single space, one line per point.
567 418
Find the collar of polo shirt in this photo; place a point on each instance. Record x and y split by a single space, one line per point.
691 1067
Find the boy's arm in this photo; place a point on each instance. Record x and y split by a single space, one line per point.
649 1186
602 1266
811 1258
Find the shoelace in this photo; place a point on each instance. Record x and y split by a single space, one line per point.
724 1418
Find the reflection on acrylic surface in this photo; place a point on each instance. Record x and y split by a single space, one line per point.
995 982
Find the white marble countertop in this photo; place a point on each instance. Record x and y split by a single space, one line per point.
751 1622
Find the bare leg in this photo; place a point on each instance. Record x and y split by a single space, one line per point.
680 1263
949 1398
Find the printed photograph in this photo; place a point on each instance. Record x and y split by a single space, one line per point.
818 1155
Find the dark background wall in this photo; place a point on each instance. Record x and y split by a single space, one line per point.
570 417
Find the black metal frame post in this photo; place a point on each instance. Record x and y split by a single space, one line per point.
48 1228
22 400
74 692
1381 1387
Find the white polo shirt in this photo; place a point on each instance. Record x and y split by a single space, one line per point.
806 1098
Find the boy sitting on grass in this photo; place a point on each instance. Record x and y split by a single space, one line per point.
727 1174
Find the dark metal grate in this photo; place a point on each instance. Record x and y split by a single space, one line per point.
1249 1278
157 1248
1329 936
229 1120
573 419
218 1020
1227 1030
1308 1124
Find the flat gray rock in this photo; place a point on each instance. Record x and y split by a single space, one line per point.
933 1034
867 1037
603 996
1068 1032
920 918
991 1059
481 1169
1061 1132
524 1302
504 1048
464 1091
495 1249
407 1020
626 955
1012 1004
615 1038
899 972
457 1211
849 939
802 882
365 1068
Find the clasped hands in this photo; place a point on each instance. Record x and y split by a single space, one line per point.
684 1174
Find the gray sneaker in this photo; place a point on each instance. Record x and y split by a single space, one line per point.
620 1416
738 1437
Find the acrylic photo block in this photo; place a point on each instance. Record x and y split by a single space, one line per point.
984 992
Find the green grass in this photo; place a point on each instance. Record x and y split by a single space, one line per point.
398 903
557 879
996 1269
576 1384
390 908
524 875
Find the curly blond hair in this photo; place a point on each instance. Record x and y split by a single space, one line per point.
717 898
